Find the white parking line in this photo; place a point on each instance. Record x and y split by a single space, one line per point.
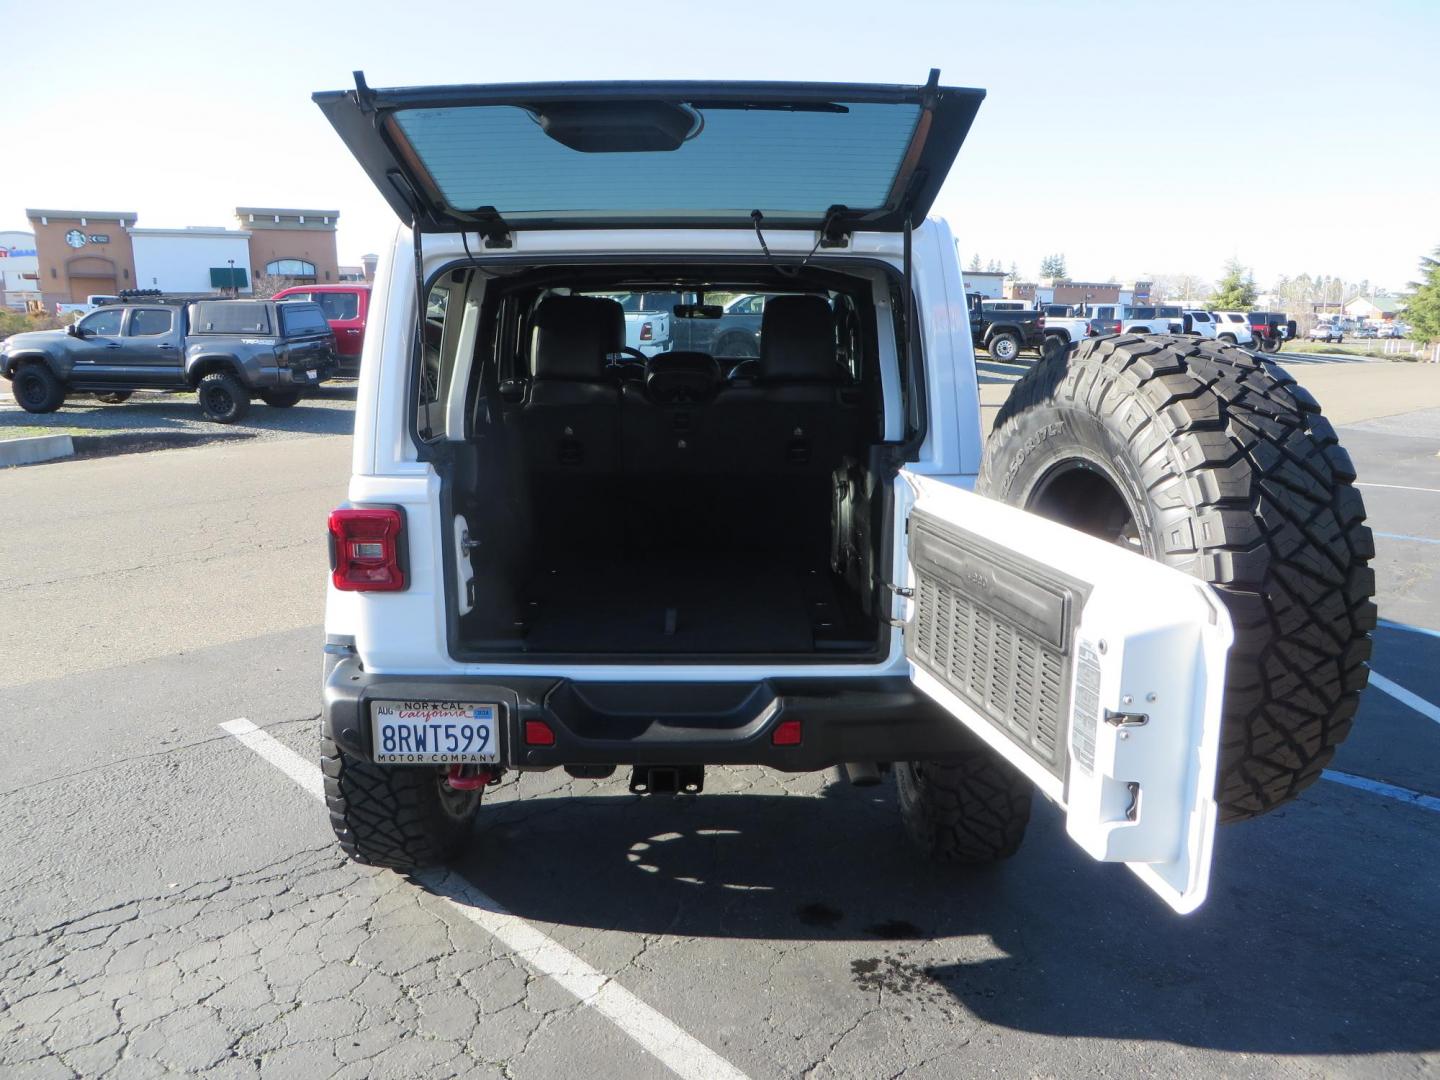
1379 787
1411 539
1405 697
1397 487
676 1049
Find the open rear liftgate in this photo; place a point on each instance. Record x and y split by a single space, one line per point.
1095 671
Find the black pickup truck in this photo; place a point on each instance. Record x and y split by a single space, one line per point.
1003 330
228 351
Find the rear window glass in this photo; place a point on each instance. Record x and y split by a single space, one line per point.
302 319
338 305
148 322
229 317
733 160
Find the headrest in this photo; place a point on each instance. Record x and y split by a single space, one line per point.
682 377
797 340
575 334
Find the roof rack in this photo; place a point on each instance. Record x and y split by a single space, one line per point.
159 296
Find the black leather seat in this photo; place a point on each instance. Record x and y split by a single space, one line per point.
571 415
795 415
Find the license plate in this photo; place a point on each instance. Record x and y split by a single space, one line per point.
312 375
434 732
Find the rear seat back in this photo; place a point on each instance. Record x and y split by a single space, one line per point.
570 418
799 415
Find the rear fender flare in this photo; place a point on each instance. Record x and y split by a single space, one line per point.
201 366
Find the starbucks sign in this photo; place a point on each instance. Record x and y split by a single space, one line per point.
77 239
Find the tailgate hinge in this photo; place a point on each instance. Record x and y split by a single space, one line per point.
492 228
834 231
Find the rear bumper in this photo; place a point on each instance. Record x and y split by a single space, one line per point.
298 376
841 719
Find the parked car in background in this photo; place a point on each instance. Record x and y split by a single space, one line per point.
1201 323
91 303
648 318
1271 329
346 307
1139 319
1389 330
1233 327
1004 331
1364 330
1326 331
227 351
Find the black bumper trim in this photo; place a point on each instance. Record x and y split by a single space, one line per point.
846 719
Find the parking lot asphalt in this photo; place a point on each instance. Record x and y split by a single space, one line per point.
173 903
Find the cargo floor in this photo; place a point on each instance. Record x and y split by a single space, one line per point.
712 604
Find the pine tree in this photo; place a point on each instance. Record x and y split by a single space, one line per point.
1422 305
974 263
1053 266
1236 290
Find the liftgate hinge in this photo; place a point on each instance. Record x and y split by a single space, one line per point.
901 591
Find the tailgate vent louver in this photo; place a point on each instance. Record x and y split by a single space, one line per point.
1017 676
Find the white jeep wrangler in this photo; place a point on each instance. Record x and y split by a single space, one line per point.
560 553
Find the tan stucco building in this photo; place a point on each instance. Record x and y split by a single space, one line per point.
298 245
83 252
80 252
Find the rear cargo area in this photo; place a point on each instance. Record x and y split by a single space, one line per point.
673 507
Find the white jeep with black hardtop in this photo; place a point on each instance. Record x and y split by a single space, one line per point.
1145 595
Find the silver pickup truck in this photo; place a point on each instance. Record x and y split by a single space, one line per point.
228 351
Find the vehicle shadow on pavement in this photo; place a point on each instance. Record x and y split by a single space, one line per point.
179 412
1315 939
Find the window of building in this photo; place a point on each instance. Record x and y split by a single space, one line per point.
102 323
151 322
291 268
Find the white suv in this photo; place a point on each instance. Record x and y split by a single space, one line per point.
557 554
1233 328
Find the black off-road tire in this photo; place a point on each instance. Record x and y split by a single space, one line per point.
1004 347
281 399
973 810
1229 472
1054 346
36 389
114 397
223 398
399 816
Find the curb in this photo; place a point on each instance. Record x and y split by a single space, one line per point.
35 449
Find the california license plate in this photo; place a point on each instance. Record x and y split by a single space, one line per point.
434 732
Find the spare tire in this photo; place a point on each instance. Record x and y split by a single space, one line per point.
1213 460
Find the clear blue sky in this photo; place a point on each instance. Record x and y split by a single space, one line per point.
1298 137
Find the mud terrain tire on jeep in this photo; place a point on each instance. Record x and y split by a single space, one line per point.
1213 460
404 817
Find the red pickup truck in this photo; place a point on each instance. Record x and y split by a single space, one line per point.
346 306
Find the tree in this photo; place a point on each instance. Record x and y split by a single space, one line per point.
1422 304
1236 291
974 263
1053 266
994 266
1014 274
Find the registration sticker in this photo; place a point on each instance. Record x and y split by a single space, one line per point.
434 732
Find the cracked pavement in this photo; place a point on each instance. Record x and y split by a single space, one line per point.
171 904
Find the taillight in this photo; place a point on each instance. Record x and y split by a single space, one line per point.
647 331
1040 323
365 549
1118 326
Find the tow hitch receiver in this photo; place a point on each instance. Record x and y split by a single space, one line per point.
667 779
471 778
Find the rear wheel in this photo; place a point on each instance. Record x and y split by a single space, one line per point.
973 810
115 397
1004 347
404 817
1055 346
280 399
1212 460
1228 339
36 389
223 398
